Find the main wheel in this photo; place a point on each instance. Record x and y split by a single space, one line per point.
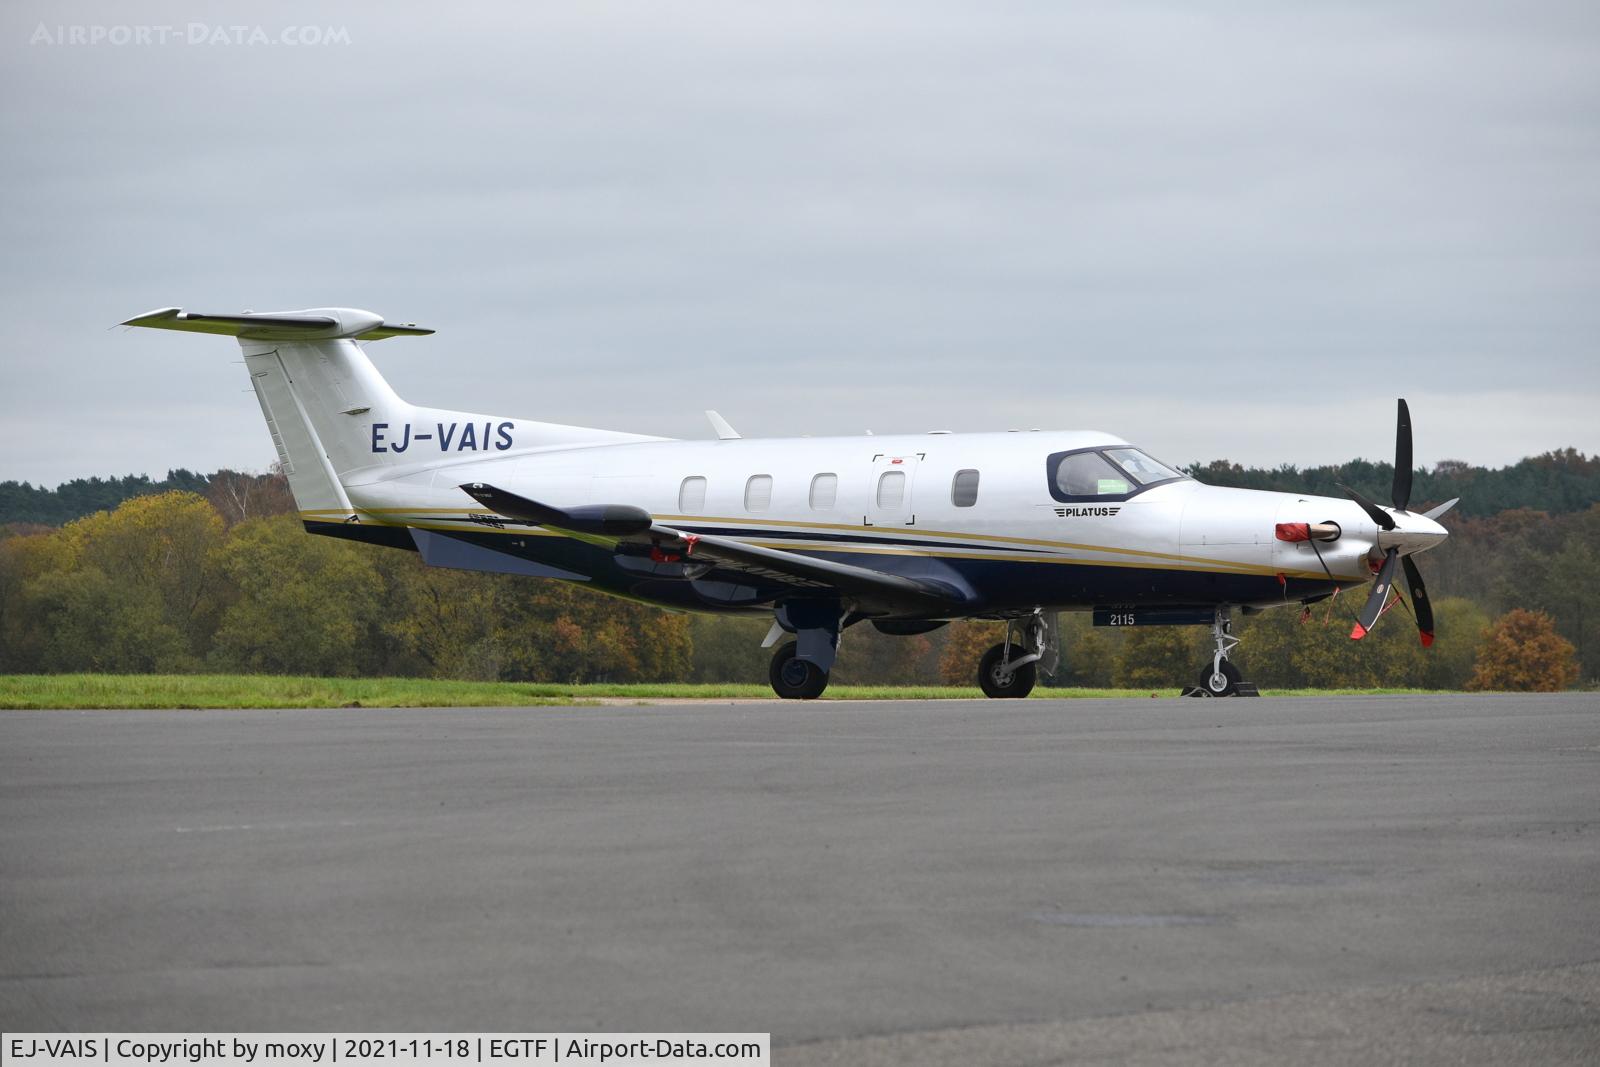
1019 683
1220 683
795 679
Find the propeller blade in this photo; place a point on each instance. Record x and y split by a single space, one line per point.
1376 599
1384 520
1401 494
1420 606
1434 513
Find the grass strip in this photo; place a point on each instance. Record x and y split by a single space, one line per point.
76 691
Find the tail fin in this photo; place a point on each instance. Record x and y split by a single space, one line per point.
319 393
334 420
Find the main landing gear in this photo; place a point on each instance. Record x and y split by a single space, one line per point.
793 678
799 669
1011 668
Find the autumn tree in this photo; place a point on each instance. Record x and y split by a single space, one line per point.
89 621
442 617
23 560
1158 657
1524 653
1294 648
867 657
125 590
1460 628
240 495
163 544
968 640
302 605
549 630
727 648
1088 652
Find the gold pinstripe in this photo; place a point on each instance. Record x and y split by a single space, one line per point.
846 527
1155 560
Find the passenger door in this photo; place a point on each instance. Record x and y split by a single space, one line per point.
889 500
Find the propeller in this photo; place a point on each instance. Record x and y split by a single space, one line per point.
1400 497
1400 492
1384 520
1377 598
1420 607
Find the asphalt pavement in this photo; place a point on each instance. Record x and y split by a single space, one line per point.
1359 879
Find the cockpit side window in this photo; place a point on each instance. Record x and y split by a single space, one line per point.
1088 474
1112 474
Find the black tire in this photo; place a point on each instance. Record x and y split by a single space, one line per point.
1018 685
795 679
1223 685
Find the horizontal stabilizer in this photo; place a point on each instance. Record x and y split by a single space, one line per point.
314 324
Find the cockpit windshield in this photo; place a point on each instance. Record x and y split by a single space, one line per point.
1140 467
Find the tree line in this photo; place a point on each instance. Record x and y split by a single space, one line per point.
216 574
1556 482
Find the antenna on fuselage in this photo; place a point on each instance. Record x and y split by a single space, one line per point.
724 431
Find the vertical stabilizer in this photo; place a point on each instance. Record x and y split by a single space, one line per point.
334 421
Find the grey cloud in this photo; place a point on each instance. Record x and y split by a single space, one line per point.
1205 228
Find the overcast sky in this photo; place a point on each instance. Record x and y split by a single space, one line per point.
1225 230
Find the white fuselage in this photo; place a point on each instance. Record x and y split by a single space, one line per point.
775 491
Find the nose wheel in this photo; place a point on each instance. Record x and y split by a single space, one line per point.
1220 678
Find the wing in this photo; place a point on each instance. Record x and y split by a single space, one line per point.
615 523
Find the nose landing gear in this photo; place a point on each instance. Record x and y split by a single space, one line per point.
1220 678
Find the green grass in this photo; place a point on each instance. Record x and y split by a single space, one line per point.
19 691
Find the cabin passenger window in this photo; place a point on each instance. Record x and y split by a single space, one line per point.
824 491
891 490
758 493
692 496
1088 474
964 489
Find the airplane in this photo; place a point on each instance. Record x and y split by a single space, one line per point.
906 532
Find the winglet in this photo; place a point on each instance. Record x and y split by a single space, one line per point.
720 425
